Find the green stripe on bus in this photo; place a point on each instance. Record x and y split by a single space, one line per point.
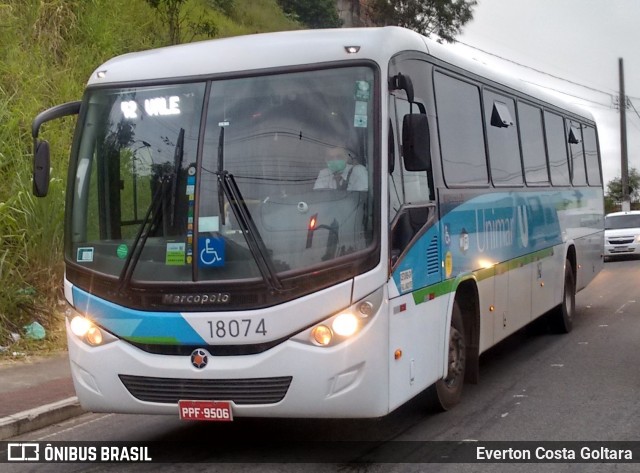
428 293
153 340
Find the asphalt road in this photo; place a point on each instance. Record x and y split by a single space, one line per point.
534 386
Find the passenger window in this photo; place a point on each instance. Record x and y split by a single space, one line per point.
460 130
534 155
576 159
557 149
591 155
502 136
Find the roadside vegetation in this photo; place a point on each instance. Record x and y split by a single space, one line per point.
48 49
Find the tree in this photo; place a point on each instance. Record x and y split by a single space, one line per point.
172 15
313 13
614 187
444 18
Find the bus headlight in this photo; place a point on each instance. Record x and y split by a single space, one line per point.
87 331
343 325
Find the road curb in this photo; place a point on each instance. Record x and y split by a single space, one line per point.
39 417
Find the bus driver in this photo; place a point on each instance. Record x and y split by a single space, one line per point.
342 172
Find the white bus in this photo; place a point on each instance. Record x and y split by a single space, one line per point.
314 223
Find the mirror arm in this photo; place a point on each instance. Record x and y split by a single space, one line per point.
59 111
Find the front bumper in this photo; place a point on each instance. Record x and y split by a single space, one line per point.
349 380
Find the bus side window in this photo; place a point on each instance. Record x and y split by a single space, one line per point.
591 155
556 149
576 154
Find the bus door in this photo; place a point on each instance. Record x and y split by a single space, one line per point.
415 264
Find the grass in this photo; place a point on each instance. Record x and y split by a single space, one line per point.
48 49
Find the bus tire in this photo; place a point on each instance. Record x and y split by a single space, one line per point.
563 315
446 392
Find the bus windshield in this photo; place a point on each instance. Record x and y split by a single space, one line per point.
231 179
621 222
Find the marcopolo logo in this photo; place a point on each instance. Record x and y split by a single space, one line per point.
196 299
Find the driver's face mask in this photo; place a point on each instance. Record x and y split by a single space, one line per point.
336 165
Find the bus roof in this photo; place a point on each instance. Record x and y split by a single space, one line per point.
297 48
259 51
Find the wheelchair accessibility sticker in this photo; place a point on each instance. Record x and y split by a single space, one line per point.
210 252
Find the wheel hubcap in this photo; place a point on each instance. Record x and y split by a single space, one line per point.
456 358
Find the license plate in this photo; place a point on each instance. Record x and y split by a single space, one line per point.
214 411
620 249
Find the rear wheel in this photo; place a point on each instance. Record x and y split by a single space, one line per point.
446 393
563 315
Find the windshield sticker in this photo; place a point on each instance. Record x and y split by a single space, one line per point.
122 251
363 90
211 252
85 255
448 264
191 185
209 224
406 280
175 254
360 116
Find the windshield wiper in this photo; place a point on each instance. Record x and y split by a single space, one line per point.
258 249
153 213
143 233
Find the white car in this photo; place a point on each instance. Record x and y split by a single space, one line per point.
622 233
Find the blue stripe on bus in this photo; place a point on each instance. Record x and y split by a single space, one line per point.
479 230
135 325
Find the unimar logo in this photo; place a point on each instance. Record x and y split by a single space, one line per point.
494 232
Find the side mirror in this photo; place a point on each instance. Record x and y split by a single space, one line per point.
416 144
41 168
41 153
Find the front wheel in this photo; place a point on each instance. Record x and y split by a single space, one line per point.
446 393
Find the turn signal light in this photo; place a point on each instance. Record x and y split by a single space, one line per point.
322 335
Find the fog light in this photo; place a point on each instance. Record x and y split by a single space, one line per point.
345 324
322 335
80 326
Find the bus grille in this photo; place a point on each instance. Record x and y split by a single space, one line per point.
240 391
